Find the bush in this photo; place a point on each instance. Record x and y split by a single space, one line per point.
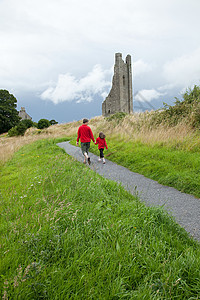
117 116
17 130
43 123
13 131
187 110
53 122
27 123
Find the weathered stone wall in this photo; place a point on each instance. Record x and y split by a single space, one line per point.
23 115
120 98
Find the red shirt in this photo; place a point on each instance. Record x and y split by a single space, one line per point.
101 143
85 134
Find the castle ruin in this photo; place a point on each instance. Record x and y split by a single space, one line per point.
23 114
120 98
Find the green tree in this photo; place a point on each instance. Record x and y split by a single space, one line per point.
43 123
9 116
53 122
28 123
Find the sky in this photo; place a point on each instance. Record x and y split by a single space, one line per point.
57 56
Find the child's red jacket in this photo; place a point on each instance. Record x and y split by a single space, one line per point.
101 143
85 134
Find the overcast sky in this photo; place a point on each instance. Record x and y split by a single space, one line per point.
57 56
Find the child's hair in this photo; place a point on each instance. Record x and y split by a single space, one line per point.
102 135
85 121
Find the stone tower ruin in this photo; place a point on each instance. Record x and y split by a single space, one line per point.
120 98
23 114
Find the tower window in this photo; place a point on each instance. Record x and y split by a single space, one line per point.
123 80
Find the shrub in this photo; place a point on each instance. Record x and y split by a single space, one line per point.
53 122
17 130
117 116
13 131
187 110
27 123
35 124
43 123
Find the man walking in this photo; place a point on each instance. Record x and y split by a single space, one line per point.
85 135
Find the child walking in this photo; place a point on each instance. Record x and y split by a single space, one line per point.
101 142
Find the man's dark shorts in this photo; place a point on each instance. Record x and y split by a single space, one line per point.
85 147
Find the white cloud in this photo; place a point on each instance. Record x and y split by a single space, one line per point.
148 95
183 71
68 88
42 39
140 67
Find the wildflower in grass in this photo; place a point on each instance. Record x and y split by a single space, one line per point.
16 283
5 297
5 284
57 220
19 270
177 282
25 273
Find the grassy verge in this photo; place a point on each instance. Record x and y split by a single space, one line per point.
167 165
67 233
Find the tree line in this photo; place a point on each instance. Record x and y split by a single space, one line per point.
9 117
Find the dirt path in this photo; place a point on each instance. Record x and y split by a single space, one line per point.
185 208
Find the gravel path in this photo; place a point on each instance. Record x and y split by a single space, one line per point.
185 208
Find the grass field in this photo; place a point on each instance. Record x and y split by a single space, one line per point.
67 233
169 155
167 165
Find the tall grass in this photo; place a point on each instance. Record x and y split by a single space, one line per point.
170 155
9 145
136 127
67 233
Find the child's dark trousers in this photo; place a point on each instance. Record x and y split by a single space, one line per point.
101 153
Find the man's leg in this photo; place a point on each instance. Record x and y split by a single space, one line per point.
87 149
83 148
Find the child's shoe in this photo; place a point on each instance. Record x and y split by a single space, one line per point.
99 159
104 161
89 162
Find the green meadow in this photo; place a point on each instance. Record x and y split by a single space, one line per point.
169 165
67 233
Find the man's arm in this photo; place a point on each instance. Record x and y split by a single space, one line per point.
91 135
